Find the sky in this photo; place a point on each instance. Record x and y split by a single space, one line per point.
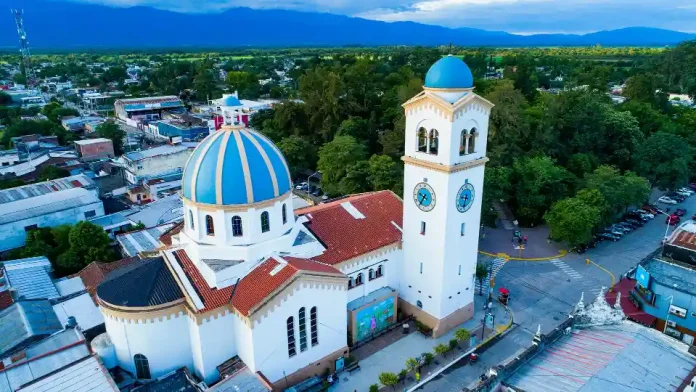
515 16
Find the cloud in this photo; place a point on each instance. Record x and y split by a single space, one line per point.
521 16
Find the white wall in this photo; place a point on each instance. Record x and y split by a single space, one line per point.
270 334
14 235
165 343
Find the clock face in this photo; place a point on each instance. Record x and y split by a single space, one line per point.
424 197
465 197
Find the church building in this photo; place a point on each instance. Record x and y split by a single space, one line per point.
286 292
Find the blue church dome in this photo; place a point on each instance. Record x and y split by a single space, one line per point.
450 73
231 101
235 167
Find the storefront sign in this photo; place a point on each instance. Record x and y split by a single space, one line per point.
643 277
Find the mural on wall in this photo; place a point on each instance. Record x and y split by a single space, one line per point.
374 318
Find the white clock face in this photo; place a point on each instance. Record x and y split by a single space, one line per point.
424 197
465 197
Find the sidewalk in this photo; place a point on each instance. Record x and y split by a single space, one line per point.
393 357
499 240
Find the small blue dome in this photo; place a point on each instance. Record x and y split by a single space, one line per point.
231 101
449 72
235 167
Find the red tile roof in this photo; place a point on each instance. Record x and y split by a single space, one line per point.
166 237
346 237
632 312
93 274
254 287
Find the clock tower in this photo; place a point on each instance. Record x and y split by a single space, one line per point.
446 130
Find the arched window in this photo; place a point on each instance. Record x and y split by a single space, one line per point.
209 226
380 271
285 214
462 142
265 223
359 279
313 325
433 141
291 337
142 366
472 141
422 140
237 226
303 330
419 304
191 220
371 274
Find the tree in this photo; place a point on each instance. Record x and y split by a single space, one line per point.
481 274
539 183
411 364
462 335
335 158
389 379
572 220
664 160
299 154
51 172
441 349
112 131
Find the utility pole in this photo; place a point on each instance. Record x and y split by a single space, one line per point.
24 47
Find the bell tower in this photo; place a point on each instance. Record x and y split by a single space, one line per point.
446 130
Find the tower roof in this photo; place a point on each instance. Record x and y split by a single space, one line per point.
449 73
235 166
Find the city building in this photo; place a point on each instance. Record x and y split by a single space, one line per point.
46 204
155 162
91 149
146 108
247 278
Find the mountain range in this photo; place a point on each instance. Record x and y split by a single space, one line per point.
68 25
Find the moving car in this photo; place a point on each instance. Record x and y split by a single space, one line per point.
667 200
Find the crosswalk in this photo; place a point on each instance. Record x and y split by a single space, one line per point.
567 269
497 266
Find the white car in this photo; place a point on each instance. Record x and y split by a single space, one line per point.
667 200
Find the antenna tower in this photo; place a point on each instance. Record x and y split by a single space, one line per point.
24 47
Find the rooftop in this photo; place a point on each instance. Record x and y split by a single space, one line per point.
148 283
47 187
672 275
30 277
24 322
626 357
355 225
146 240
84 375
154 152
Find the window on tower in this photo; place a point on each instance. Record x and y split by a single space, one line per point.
472 141
433 142
422 140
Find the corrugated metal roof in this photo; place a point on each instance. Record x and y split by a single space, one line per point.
24 321
30 277
86 375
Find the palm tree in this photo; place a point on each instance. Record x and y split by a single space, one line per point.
481 274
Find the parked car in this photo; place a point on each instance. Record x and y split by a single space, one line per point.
673 219
610 237
667 200
680 212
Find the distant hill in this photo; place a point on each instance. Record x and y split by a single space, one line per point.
67 25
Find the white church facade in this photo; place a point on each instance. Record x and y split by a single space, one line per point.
285 291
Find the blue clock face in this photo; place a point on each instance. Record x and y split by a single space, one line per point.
424 197
465 197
